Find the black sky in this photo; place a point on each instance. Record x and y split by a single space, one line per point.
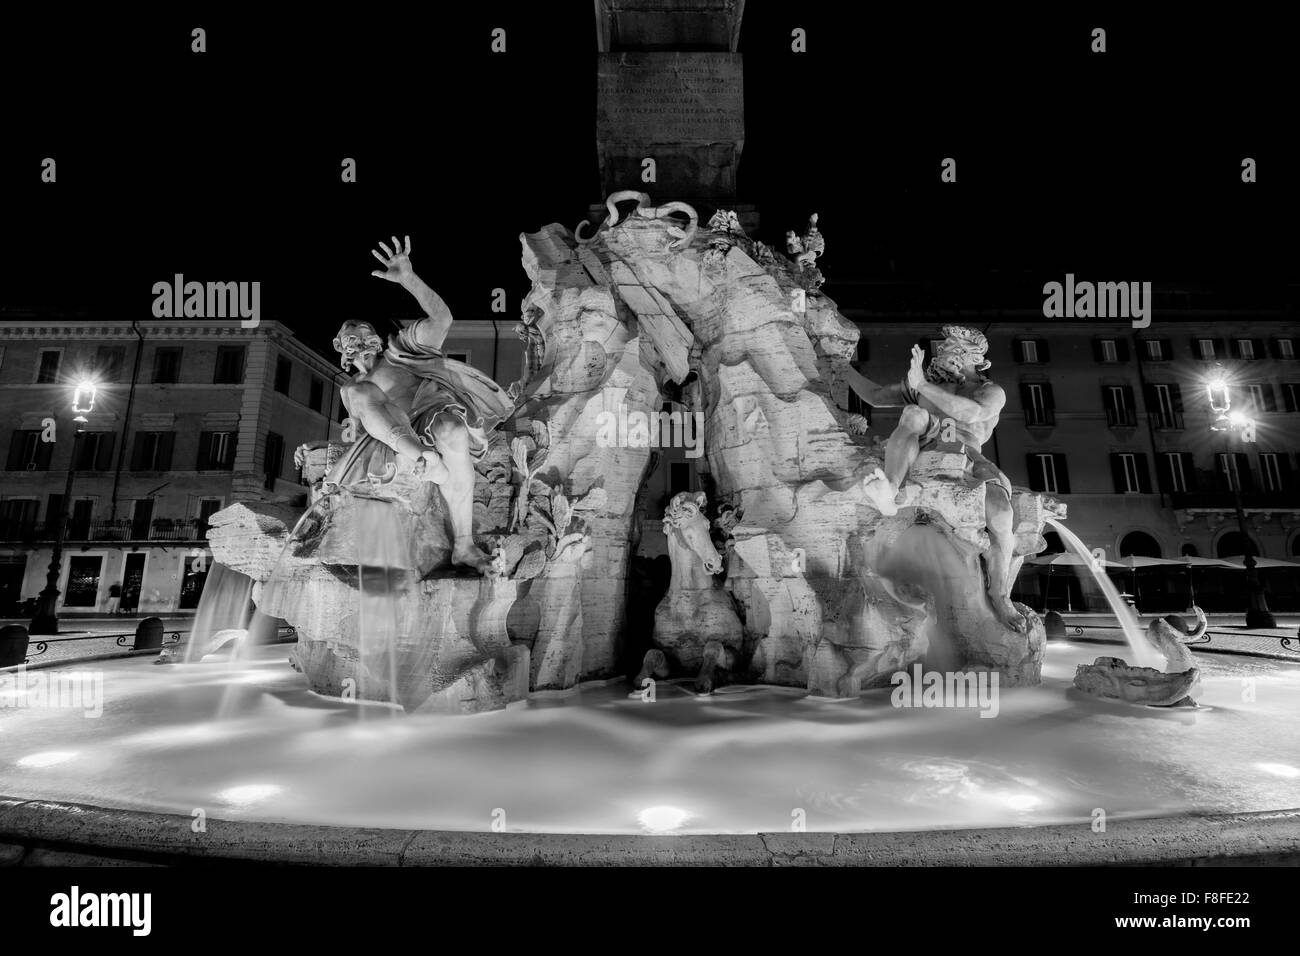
1121 166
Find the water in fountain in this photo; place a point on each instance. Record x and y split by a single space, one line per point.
226 606
1144 655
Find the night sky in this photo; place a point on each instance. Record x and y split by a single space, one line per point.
225 166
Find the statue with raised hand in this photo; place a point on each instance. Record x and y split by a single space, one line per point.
951 389
420 411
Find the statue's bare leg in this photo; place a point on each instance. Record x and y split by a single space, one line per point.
900 452
655 665
998 518
458 490
715 656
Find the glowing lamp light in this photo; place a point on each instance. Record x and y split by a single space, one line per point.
662 819
1216 389
83 399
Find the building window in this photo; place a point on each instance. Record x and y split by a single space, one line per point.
1271 470
152 451
93 451
1176 471
230 365
1205 349
1047 472
1109 353
83 581
1118 401
459 357
1165 404
108 362
47 369
274 460
316 394
1129 472
17 518
27 452
1038 403
1156 350
1246 349
1291 396
1234 474
207 508
1261 398
141 519
166 366
283 374
216 451
1031 351
1284 348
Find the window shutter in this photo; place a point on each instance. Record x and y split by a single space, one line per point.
1190 474
104 455
138 451
1017 352
1121 350
1062 475
1284 471
1106 402
230 450
203 463
1270 402
1049 402
16 445
44 452
1044 352
1164 475
1176 396
53 512
1035 473
1196 348
1117 473
1025 400
1096 350
1144 473
163 459
1243 471
1129 403
1260 348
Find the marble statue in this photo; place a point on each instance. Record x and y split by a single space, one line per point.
696 626
418 409
1114 677
949 401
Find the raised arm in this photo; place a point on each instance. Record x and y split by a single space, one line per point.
874 394
985 406
428 331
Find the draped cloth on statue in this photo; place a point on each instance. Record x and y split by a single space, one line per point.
448 386
380 486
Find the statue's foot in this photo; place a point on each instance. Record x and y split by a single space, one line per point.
655 664
1008 614
908 495
467 554
880 493
714 657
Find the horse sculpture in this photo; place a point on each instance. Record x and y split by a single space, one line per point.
696 625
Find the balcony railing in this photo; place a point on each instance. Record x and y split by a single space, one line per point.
124 530
1121 418
1040 417
1227 500
1167 421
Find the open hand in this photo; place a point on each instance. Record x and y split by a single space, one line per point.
396 261
916 372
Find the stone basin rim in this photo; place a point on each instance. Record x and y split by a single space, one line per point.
46 832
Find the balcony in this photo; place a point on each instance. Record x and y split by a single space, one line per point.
1166 421
1121 418
123 530
1040 417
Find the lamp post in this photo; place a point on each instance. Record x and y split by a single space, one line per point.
1225 420
46 618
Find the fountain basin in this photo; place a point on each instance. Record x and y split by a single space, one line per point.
283 773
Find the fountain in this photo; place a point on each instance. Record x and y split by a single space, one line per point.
468 553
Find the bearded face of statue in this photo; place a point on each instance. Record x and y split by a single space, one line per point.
358 345
954 363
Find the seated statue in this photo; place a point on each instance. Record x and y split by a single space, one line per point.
950 400
415 410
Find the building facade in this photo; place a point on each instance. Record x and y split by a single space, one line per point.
188 416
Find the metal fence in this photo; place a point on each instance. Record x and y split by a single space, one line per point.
124 530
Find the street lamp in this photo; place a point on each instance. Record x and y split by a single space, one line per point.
1226 420
46 618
